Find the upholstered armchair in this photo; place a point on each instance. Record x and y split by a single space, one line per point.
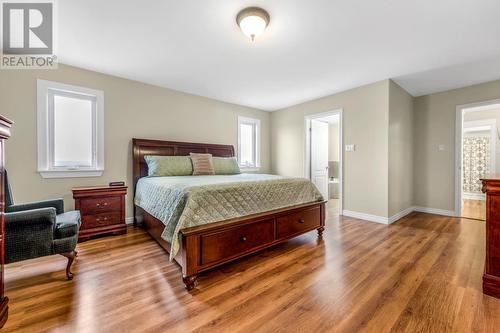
39 229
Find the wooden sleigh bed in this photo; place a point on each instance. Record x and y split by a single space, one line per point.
208 246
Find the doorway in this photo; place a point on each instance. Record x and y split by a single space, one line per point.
477 154
323 156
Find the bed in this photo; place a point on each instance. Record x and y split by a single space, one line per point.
206 221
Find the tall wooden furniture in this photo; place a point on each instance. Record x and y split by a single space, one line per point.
102 209
5 125
207 246
491 277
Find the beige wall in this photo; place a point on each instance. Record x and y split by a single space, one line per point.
435 117
365 120
377 119
333 144
400 149
132 109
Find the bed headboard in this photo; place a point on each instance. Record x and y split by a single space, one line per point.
143 147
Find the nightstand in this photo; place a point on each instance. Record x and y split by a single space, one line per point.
102 210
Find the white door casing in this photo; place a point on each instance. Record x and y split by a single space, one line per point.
319 156
460 111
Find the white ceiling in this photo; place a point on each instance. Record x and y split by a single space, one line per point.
450 77
312 48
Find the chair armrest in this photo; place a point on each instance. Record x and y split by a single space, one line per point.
41 217
29 234
58 204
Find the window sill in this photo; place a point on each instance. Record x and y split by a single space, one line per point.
248 169
70 173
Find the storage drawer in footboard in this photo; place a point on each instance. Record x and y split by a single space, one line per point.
297 223
225 244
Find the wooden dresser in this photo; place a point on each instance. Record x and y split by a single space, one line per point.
5 125
102 209
491 277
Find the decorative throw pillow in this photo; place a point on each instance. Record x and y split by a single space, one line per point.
169 165
226 166
202 164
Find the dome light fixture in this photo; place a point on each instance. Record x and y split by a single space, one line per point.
252 21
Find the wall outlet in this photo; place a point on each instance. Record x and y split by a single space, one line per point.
350 147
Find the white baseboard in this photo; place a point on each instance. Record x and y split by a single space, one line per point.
375 218
436 211
398 216
474 196
366 217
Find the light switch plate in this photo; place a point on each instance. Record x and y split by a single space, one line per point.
441 147
350 147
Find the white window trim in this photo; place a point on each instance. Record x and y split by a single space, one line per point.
45 142
256 122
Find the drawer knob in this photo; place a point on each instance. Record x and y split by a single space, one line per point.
243 239
302 221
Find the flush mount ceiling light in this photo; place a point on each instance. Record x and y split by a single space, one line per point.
252 21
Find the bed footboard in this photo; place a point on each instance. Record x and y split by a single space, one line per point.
208 246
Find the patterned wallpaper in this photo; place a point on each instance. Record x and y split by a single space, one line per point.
476 162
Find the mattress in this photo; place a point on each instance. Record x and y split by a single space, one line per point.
188 201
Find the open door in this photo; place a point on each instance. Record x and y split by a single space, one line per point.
319 156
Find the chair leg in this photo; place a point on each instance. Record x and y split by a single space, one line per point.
190 281
71 257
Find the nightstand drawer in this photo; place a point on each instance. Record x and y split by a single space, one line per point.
99 205
100 220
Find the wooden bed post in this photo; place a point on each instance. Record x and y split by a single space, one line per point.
322 219
190 251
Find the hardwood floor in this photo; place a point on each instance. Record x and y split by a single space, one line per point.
474 209
421 274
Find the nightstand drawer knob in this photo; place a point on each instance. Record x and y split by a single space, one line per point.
301 221
104 219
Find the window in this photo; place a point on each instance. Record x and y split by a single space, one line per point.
70 131
249 143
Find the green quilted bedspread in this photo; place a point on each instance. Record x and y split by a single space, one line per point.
188 201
